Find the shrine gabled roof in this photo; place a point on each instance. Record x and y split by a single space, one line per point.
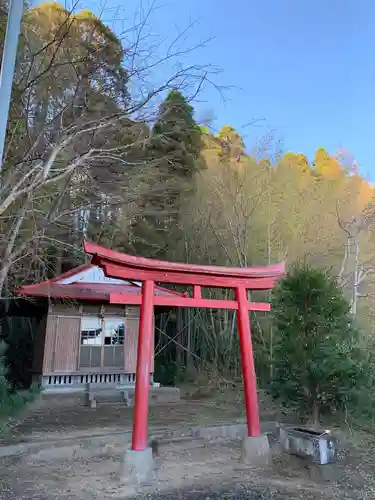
86 282
101 254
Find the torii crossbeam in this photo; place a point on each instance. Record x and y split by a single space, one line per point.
149 271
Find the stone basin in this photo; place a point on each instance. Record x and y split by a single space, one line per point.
318 446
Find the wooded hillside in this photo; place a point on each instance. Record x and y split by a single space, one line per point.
96 149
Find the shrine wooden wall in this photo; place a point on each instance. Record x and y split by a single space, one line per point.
63 332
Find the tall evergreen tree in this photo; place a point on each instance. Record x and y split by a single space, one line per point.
177 138
174 154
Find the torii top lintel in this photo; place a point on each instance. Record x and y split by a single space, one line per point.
123 266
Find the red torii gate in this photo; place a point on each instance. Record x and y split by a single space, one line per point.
123 266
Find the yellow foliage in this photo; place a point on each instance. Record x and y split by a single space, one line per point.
249 211
327 166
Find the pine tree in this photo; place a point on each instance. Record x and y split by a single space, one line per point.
174 157
177 138
317 360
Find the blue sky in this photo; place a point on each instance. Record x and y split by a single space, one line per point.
303 68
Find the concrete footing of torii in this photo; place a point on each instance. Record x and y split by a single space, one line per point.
138 466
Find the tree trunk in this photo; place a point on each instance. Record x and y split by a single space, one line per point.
355 279
315 413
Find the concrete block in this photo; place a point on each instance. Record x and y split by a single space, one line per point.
138 466
255 450
232 431
128 398
90 401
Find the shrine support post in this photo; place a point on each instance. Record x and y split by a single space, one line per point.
142 382
247 361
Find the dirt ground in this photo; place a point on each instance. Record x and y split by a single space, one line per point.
62 451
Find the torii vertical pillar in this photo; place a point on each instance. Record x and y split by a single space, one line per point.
142 381
247 361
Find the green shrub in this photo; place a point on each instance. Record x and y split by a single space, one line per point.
4 385
319 365
11 403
